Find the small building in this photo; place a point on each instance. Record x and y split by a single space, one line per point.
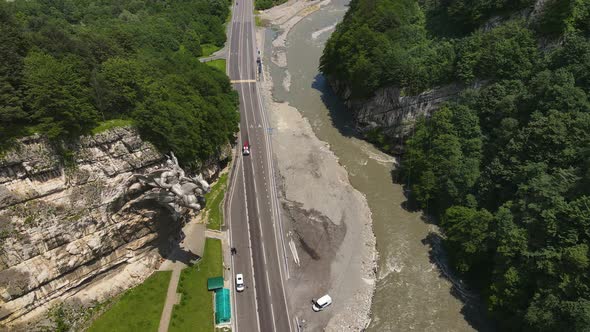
222 306
215 283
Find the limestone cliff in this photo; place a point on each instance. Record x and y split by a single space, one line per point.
391 112
75 232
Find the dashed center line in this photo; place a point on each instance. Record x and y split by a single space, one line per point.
242 81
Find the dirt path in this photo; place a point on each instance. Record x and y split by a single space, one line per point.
172 298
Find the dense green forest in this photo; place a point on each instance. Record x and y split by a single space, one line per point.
266 4
504 169
419 44
68 65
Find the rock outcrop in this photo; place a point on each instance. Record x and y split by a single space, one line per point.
64 230
392 113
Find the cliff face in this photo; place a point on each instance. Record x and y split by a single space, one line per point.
74 232
392 113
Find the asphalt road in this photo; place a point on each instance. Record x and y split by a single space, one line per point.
252 209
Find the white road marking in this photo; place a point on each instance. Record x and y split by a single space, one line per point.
233 183
242 81
264 256
255 189
294 251
250 247
274 202
257 203
268 286
246 201
272 312
235 306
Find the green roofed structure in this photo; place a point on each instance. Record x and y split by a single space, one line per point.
222 306
214 283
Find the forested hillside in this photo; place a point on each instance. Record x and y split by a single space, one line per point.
419 44
68 65
505 169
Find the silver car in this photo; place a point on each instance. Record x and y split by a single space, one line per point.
240 282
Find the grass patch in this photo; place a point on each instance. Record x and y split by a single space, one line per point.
259 21
266 4
139 309
195 311
228 18
109 124
219 64
209 49
213 207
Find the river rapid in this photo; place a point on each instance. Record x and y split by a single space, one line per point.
414 291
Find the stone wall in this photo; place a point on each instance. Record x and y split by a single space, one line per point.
64 230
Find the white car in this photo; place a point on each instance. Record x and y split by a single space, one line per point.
240 282
321 303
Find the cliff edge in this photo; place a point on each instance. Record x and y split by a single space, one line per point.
76 232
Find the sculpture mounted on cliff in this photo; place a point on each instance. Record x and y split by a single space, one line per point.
172 187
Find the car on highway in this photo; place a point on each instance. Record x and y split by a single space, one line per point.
321 303
246 149
240 282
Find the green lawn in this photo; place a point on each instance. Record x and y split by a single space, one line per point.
139 309
106 125
195 311
209 49
213 207
219 64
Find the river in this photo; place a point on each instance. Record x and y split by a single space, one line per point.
412 292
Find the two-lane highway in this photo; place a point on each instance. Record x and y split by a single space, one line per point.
252 208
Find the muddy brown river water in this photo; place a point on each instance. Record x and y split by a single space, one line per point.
413 292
